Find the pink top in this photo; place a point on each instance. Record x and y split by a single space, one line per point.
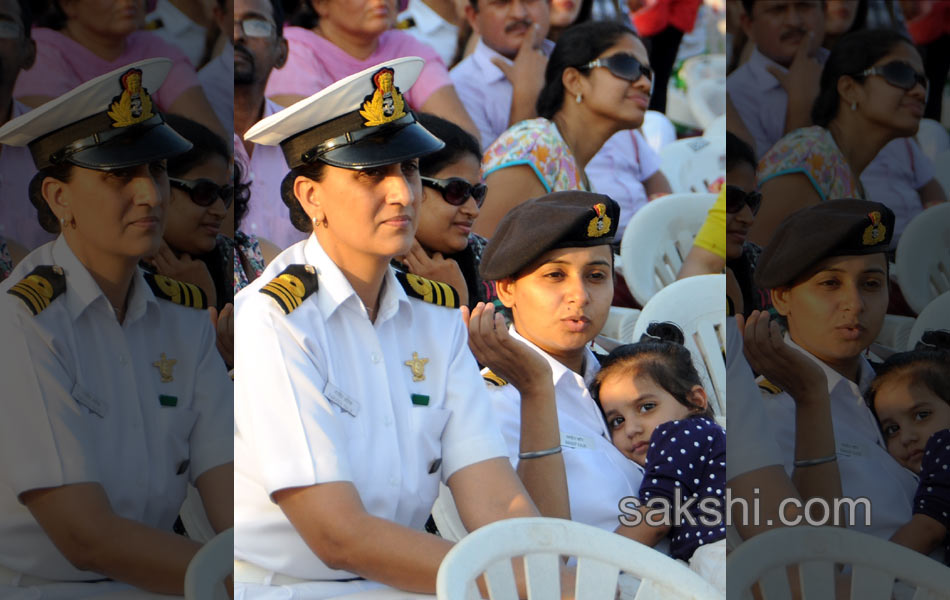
62 64
18 220
314 63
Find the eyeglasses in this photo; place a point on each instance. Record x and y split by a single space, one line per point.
456 191
736 198
10 30
204 192
256 27
624 66
899 74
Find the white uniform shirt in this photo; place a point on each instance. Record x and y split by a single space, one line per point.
598 475
82 402
322 394
867 470
177 29
430 28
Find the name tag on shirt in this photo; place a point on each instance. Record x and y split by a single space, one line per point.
849 450
577 442
339 397
90 402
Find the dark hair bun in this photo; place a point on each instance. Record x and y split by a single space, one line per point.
934 339
665 332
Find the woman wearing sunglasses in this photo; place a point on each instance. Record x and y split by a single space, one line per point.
193 248
597 83
445 249
872 91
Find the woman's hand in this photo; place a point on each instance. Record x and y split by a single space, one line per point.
224 326
184 268
786 367
493 346
438 268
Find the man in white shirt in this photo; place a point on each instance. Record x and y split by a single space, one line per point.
182 23
434 22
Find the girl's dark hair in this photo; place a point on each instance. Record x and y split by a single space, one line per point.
44 214
577 46
851 55
242 194
927 365
458 143
304 15
738 152
661 356
51 16
298 217
204 144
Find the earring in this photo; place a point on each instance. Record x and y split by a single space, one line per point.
578 98
854 106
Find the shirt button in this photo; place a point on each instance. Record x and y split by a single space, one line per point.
375 357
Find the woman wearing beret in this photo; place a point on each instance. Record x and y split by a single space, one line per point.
832 293
115 398
597 82
557 281
355 391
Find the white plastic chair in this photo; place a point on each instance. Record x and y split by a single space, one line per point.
658 130
933 138
942 170
601 556
716 130
698 306
204 579
935 315
875 563
693 164
923 257
707 100
658 238
620 322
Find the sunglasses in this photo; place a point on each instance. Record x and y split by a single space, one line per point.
624 66
456 191
737 197
256 27
899 74
204 192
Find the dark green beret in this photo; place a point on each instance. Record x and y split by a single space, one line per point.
845 227
556 220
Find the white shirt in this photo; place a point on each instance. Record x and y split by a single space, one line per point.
322 394
432 29
177 29
83 402
867 470
217 81
598 475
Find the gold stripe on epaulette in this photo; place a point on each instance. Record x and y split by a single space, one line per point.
493 379
38 289
292 286
179 292
427 290
768 386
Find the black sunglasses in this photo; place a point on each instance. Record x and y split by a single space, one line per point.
736 198
624 66
204 192
899 74
456 191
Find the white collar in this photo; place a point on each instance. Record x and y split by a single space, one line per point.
834 378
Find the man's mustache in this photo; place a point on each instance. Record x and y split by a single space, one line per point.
522 23
798 31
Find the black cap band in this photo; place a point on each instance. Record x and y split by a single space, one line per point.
93 131
309 145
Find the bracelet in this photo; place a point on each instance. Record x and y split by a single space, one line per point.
811 462
539 453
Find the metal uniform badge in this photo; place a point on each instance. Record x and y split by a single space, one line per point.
600 224
385 104
133 105
164 366
418 366
874 234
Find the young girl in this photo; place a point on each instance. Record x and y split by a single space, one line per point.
911 398
656 411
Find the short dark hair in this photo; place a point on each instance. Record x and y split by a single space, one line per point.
737 152
277 13
298 216
929 368
44 214
204 144
458 143
242 194
851 55
578 45
304 15
26 16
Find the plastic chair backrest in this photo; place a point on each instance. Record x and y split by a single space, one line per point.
923 257
658 130
658 238
876 563
693 164
204 578
707 100
698 306
935 315
601 556
716 130
932 137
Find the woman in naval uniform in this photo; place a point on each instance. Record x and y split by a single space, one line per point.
355 390
114 394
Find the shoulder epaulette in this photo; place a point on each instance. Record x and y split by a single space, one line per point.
435 292
405 24
38 289
292 286
493 379
179 292
768 386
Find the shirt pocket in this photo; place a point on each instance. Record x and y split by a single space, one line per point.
428 425
175 427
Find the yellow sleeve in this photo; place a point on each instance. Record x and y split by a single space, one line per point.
712 235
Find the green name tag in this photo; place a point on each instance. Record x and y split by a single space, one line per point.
420 400
168 400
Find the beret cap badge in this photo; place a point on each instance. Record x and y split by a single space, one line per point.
133 105
874 234
600 224
385 104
